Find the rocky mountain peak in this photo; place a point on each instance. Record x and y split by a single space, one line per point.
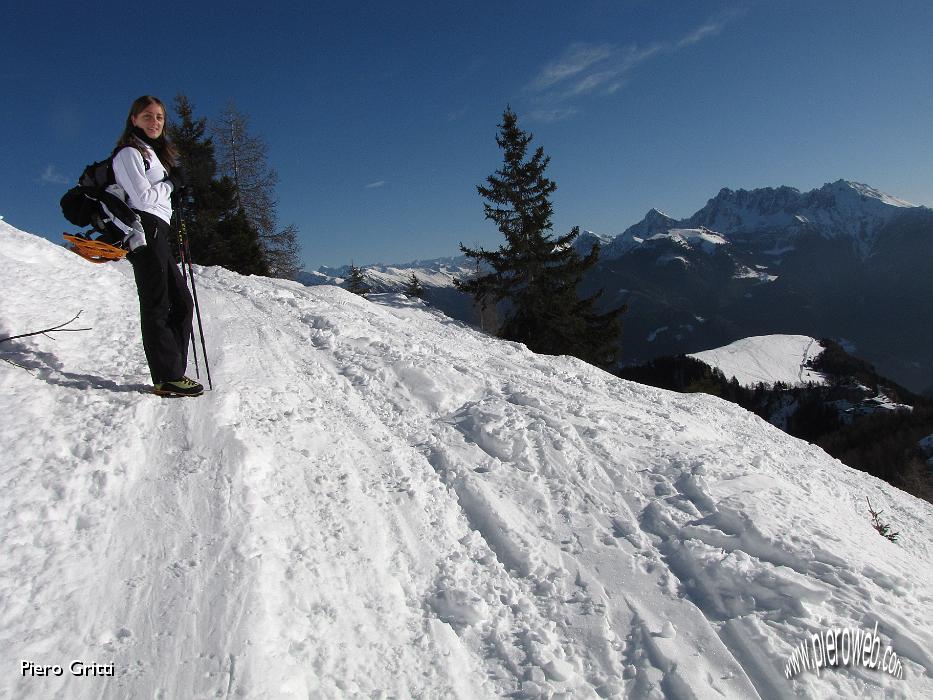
840 208
655 221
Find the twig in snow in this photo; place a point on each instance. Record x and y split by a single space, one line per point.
60 328
883 529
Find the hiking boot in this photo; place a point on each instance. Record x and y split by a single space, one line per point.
179 387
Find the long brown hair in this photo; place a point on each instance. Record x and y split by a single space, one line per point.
164 150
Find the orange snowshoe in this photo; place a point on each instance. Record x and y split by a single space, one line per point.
94 251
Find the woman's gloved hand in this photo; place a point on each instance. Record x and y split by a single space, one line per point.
179 178
137 237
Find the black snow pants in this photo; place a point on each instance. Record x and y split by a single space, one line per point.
165 305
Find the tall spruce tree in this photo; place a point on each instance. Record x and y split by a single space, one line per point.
535 276
195 148
196 156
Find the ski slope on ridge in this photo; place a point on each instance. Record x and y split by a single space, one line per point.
377 500
768 359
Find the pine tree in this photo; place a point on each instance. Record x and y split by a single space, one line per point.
535 274
196 157
356 281
413 288
242 158
243 251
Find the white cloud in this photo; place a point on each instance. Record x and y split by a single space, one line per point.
584 69
591 82
457 115
51 176
374 185
576 59
553 115
700 34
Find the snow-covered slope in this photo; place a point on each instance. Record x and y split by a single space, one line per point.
768 359
700 239
376 501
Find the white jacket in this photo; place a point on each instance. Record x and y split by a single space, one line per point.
146 190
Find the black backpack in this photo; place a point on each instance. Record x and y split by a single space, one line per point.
90 204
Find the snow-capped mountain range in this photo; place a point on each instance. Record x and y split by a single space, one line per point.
754 217
752 263
375 501
840 208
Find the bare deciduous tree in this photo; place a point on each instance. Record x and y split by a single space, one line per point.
242 157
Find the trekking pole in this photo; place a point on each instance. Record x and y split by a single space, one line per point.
184 272
194 293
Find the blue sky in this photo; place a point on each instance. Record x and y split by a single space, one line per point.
381 117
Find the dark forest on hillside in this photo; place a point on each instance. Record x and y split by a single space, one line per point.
838 416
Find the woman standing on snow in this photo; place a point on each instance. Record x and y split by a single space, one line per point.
144 167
